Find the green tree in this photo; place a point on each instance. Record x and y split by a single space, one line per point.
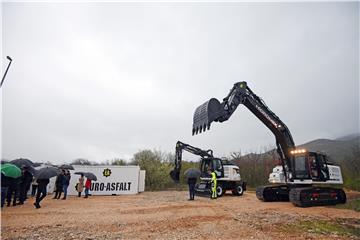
157 169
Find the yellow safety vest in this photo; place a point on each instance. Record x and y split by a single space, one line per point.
213 177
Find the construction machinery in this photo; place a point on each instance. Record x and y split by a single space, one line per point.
228 175
302 174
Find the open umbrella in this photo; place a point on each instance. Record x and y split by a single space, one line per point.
88 175
192 173
47 172
37 164
30 169
10 170
22 162
66 166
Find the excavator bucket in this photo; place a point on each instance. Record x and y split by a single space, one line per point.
175 175
205 114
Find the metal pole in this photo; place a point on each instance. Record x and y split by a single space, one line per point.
9 58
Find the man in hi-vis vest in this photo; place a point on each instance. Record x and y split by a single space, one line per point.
213 185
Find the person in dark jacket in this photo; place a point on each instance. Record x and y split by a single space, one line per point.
13 191
59 185
41 192
34 186
66 183
5 181
191 182
24 185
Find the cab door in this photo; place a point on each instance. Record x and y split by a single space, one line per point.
318 167
301 167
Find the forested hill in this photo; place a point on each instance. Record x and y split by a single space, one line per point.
337 149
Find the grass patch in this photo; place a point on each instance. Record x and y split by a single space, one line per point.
341 227
350 204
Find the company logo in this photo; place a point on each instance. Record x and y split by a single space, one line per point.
106 172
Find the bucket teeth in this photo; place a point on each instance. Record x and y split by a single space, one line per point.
205 114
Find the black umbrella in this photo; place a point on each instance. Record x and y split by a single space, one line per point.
47 172
22 162
192 173
30 169
88 175
4 161
67 167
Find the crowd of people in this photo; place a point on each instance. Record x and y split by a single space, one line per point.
14 191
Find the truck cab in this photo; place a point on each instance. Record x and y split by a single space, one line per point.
208 165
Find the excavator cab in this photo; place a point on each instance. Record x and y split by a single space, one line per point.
211 164
309 165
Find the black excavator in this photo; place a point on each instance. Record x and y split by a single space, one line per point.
301 172
228 175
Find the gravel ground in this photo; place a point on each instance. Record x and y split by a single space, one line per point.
168 215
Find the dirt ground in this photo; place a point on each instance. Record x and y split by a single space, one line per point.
169 215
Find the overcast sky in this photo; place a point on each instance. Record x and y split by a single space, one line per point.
104 80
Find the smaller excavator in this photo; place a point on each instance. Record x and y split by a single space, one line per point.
302 174
228 175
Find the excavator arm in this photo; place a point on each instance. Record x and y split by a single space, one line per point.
214 111
180 147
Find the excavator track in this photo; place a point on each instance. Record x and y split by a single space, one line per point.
316 196
273 193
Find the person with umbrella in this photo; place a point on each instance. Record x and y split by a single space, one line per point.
66 182
59 184
43 176
34 186
25 184
13 191
8 173
5 181
192 174
41 192
89 177
87 187
80 185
